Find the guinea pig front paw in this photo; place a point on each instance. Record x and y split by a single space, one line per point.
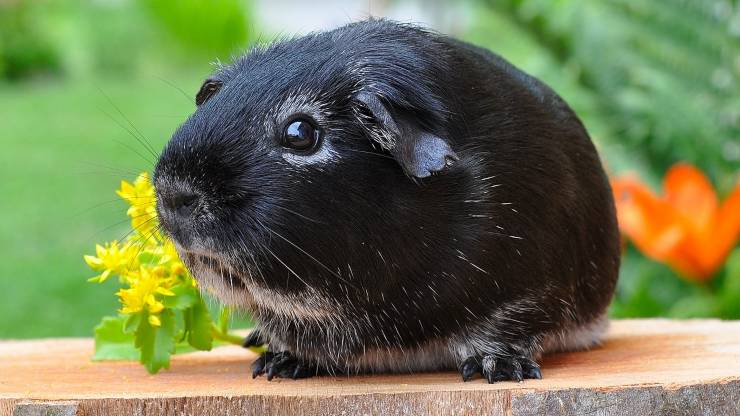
281 364
494 368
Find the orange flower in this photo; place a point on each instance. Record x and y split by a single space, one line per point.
686 228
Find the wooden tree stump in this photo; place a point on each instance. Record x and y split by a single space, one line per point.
644 367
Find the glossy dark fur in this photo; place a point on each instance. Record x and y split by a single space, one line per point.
351 262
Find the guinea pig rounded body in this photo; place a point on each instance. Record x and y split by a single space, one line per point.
385 199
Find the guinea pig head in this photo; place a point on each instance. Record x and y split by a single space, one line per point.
298 163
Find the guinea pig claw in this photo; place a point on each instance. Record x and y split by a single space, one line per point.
469 368
282 365
488 368
258 366
506 368
301 371
530 369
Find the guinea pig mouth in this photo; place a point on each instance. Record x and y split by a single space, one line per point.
199 261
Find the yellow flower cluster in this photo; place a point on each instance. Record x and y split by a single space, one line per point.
142 205
146 263
113 258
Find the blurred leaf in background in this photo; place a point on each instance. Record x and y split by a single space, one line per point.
121 37
203 26
665 76
115 36
24 50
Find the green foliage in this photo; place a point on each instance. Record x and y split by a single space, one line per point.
728 288
185 297
184 325
198 320
664 73
24 50
121 38
114 339
121 45
156 343
214 28
132 337
647 288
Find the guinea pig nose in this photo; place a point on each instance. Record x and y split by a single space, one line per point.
184 203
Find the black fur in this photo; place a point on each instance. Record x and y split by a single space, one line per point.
513 241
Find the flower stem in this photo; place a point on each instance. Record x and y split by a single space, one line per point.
225 336
223 319
235 340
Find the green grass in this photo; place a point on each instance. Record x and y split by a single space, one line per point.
61 160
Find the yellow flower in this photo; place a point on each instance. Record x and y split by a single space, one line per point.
169 262
142 205
111 259
171 259
169 254
145 289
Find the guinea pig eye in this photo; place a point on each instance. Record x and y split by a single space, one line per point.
300 134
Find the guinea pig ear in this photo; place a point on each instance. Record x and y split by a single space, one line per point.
209 88
419 152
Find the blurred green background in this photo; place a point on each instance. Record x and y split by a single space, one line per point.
655 83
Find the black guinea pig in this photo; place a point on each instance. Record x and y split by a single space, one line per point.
385 199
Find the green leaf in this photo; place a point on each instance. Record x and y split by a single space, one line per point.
729 291
112 343
185 297
132 322
223 319
156 343
199 330
182 336
147 257
694 306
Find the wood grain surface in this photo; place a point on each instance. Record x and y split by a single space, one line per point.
644 367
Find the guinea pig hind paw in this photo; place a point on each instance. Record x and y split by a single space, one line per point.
494 368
